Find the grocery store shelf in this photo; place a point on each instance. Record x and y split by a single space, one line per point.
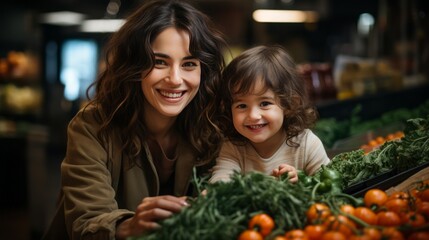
374 105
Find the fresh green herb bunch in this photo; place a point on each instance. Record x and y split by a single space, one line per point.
225 210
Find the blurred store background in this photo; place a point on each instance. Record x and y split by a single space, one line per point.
367 54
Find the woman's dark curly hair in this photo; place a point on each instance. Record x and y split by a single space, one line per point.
129 56
277 70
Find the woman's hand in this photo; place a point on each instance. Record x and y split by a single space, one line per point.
285 168
148 213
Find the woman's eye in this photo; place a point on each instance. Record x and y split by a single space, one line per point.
160 62
190 65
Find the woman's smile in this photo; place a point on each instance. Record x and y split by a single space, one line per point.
172 94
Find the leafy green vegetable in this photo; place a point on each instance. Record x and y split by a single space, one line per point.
412 150
226 208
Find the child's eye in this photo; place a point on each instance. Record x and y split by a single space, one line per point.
240 106
265 104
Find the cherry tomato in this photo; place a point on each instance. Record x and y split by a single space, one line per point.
373 143
375 198
296 234
390 137
372 232
333 235
380 140
341 224
419 236
391 233
399 134
263 223
413 219
347 208
400 195
423 208
424 195
250 235
366 215
359 237
317 212
397 205
314 232
388 219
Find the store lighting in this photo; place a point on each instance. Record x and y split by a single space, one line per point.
62 18
102 25
284 16
365 23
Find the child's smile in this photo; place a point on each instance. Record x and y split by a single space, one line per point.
258 116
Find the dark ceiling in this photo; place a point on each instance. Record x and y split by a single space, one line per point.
97 8
93 8
232 16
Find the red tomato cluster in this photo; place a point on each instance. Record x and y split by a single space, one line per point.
400 216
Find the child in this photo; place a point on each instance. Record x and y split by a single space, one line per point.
266 118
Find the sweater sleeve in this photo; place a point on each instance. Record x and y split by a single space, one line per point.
227 162
315 154
90 208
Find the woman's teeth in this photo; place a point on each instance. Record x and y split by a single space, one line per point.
171 95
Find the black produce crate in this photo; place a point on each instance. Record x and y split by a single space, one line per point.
383 181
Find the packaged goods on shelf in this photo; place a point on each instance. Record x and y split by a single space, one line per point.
356 77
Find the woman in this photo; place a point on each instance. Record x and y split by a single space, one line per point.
132 149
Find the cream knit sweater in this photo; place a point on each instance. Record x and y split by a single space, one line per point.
309 156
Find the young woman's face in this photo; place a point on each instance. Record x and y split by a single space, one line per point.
257 115
175 79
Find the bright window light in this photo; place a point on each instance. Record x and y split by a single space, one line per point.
78 68
284 16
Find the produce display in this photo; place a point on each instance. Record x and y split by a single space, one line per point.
258 206
410 151
330 130
380 140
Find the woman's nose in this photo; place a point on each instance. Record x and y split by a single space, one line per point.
174 76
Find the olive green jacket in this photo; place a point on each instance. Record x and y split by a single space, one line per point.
100 187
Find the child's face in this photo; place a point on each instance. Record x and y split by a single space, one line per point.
175 79
257 115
